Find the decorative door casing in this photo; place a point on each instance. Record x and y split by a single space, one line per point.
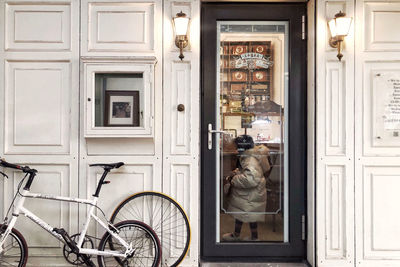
181 128
334 142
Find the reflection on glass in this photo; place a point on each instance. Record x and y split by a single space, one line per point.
251 88
118 99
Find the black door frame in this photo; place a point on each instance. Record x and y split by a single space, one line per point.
295 249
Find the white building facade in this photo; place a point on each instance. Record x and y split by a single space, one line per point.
50 51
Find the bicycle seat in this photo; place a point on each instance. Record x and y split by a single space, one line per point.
108 165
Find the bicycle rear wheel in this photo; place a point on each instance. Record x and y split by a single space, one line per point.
165 216
144 241
14 250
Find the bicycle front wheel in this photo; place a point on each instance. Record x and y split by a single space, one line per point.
144 241
14 250
165 216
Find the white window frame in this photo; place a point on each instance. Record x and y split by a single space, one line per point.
143 65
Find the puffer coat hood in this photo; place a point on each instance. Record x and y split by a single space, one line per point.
248 196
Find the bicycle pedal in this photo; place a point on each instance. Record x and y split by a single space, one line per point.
60 231
3 228
68 240
86 259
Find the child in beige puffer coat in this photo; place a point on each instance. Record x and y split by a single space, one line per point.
248 194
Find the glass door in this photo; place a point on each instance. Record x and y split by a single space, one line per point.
254 131
252 82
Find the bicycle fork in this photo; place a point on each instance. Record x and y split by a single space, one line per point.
10 226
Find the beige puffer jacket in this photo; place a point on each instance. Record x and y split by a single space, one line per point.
248 192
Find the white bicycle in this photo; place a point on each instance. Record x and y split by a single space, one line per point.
127 243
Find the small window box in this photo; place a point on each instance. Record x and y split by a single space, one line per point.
118 96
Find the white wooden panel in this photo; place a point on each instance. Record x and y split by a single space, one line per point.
334 205
134 21
380 32
377 171
180 183
377 139
179 189
335 196
120 146
335 104
335 200
124 181
180 93
38 114
181 129
38 26
334 142
381 230
51 180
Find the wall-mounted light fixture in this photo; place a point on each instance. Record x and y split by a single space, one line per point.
181 25
339 27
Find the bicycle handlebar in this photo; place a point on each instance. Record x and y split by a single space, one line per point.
25 169
9 165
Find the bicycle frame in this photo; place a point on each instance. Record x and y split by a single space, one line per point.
20 209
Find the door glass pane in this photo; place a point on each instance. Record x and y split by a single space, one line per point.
252 84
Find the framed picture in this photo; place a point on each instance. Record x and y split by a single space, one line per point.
121 109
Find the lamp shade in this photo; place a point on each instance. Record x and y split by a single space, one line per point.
181 23
340 25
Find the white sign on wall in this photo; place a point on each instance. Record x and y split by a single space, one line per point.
387 93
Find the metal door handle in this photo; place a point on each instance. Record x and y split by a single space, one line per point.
211 132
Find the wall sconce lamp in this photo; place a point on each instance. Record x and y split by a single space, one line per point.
339 27
181 23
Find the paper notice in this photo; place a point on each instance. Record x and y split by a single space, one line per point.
389 87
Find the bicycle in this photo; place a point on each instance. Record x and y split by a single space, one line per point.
126 243
165 216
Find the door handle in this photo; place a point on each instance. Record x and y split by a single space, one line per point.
211 132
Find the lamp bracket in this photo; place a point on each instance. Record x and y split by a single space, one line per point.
333 42
181 41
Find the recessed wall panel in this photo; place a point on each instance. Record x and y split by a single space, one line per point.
37 26
379 31
335 211
335 97
38 114
51 180
380 226
178 187
125 22
134 21
124 181
180 120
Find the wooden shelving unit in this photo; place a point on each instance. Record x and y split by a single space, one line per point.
237 80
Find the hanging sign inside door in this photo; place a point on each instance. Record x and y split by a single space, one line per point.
253 60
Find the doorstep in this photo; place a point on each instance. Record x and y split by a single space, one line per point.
243 264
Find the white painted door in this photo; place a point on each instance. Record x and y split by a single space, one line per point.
377 128
358 129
